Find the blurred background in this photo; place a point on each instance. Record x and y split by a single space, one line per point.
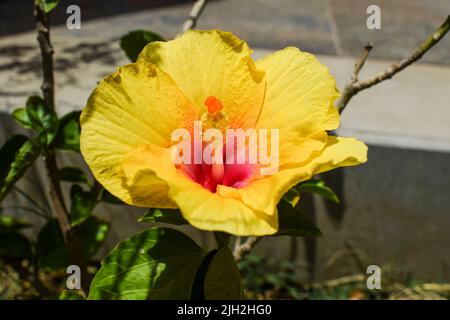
394 210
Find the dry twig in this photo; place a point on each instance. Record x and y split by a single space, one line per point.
241 249
196 11
355 86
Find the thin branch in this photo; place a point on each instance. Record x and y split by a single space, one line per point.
24 208
48 90
353 88
28 197
360 63
196 11
242 249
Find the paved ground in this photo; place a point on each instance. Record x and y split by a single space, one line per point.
320 26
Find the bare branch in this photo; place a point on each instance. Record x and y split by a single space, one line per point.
360 63
356 86
242 249
48 90
196 11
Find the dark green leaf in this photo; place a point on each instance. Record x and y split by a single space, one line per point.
16 155
159 263
293 222
172 216
198 291
72 174
14 245
317 186
223 279
133 42
51 251
292 196
43 118
81 206
109 198
21 116
10 224
8 154
90 235
68 137
71 295
47 5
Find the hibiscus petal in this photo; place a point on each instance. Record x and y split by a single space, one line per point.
202 208
138 104
212 64
299 102
264 194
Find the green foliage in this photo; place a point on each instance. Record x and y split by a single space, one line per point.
68 137
262 274
42 118
317 186
293 222
172 216
133 42
82 204
223 279
90 235
21 117
52 253
16 155
14 245
72 174
71 295
159 263
47 5
11 224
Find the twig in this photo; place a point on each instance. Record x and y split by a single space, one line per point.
196 11
55 193
360 63
26 196
334 282
24 208
354 87
242 249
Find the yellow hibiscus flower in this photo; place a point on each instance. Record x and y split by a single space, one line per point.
131 115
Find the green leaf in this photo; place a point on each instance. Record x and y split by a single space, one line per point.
51 251
72 174
10 224
8 153
82 204
158 263
109 198
47 5
90 235
14 245
172 216
317 186
68 137
293 222
21 116
133 42
223 279
43 118
71 295
292 196
16 155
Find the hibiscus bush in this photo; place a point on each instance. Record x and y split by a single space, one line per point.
125 135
